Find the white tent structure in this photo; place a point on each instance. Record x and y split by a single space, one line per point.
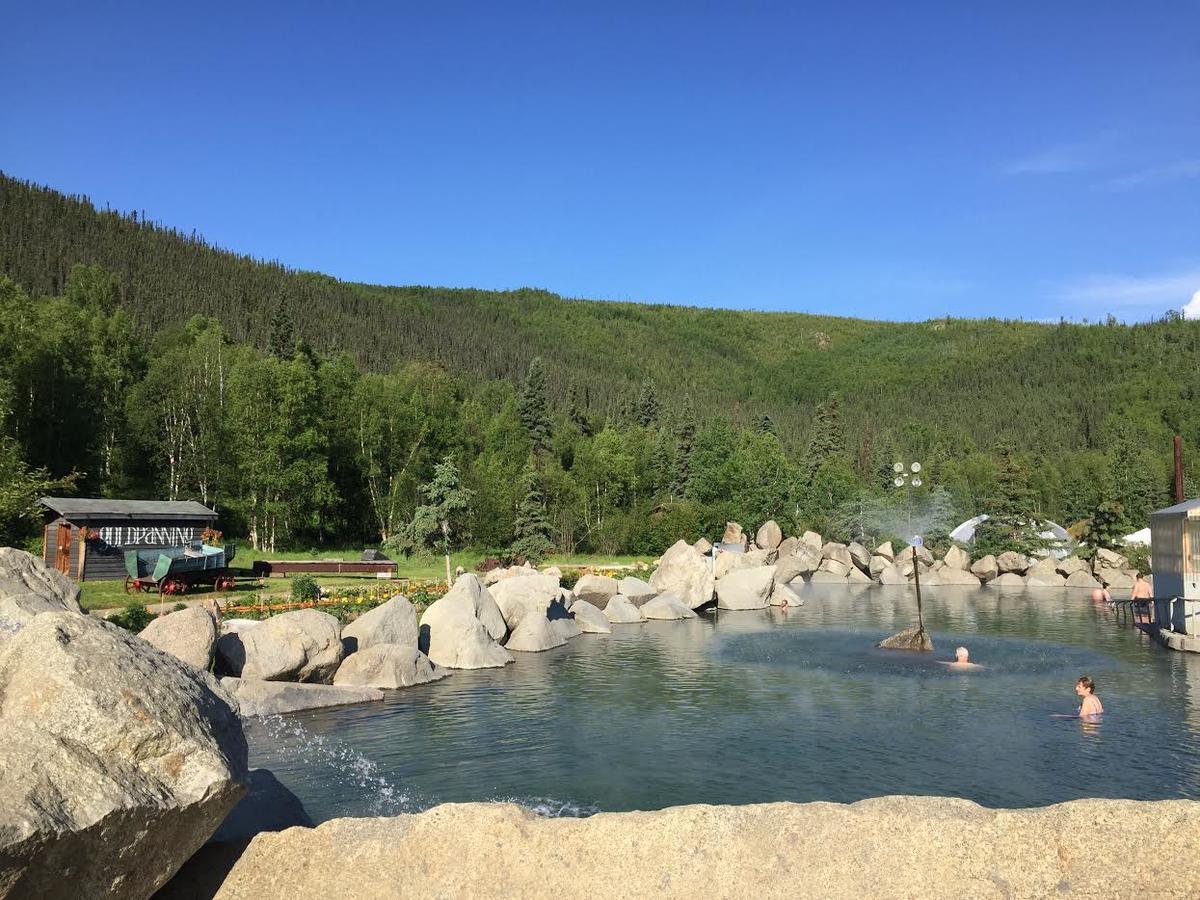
965 533
1138 537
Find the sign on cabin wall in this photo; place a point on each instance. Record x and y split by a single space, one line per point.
149 536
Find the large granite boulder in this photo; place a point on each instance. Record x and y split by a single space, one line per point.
188 634
1008 580
797 565
703 546
877 565
733 534
835 567
769 535
686 574
823 577
1072 564
1047 566
957 558
588 618
782 595
461 629
916 639
746 588
301 645
621 612
985 568
1082 579
837 552
667 606
1114 580
1044 580
635 590
920 554
29 587
1111 559
534 634
787 547
273 698
812 540
860 555
388 667
858 576
955 577
887 847
727 560
394 622
118 760
886 551
892 575
1012 562
597 589
530 594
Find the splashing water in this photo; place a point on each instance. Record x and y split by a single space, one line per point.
344 766
364 789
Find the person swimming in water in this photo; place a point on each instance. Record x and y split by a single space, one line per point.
962 660
1091 705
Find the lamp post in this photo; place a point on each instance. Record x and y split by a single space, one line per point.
910 478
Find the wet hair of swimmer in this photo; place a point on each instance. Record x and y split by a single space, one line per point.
1087 682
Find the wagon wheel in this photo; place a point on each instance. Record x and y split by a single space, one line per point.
131 585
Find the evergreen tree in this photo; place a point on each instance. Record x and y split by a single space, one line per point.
647 405
685 442
1106 528
283 340
531 530
828 439
1012 522
534 407
445 509
577 409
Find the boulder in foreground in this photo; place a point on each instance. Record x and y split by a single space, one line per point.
28 587
394 622
888 847
119 761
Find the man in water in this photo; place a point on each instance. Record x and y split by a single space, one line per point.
1091 706
962 660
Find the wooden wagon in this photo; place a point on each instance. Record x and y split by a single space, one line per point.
175 570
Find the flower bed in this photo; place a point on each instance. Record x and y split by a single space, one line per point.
344 603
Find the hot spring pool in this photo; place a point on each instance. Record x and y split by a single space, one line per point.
749 707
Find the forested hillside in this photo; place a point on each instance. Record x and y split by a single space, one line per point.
139 360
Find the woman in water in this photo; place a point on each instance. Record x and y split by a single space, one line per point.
1091 705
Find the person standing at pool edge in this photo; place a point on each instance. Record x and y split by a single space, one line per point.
1091 706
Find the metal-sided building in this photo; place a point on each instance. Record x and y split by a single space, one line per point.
86 539
1175 553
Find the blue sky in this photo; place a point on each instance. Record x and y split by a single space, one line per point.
885 160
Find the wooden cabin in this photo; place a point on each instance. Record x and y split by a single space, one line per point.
86 538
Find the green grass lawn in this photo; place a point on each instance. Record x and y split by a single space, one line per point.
111 594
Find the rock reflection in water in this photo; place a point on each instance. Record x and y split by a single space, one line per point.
769 705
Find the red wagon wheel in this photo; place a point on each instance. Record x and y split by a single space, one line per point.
131 585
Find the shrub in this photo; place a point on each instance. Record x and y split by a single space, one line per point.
134 617
178 606
305 588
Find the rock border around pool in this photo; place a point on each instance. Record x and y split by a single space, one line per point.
885 847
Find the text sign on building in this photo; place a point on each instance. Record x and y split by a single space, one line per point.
151 536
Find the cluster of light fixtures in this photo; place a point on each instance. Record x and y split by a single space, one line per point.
911 475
